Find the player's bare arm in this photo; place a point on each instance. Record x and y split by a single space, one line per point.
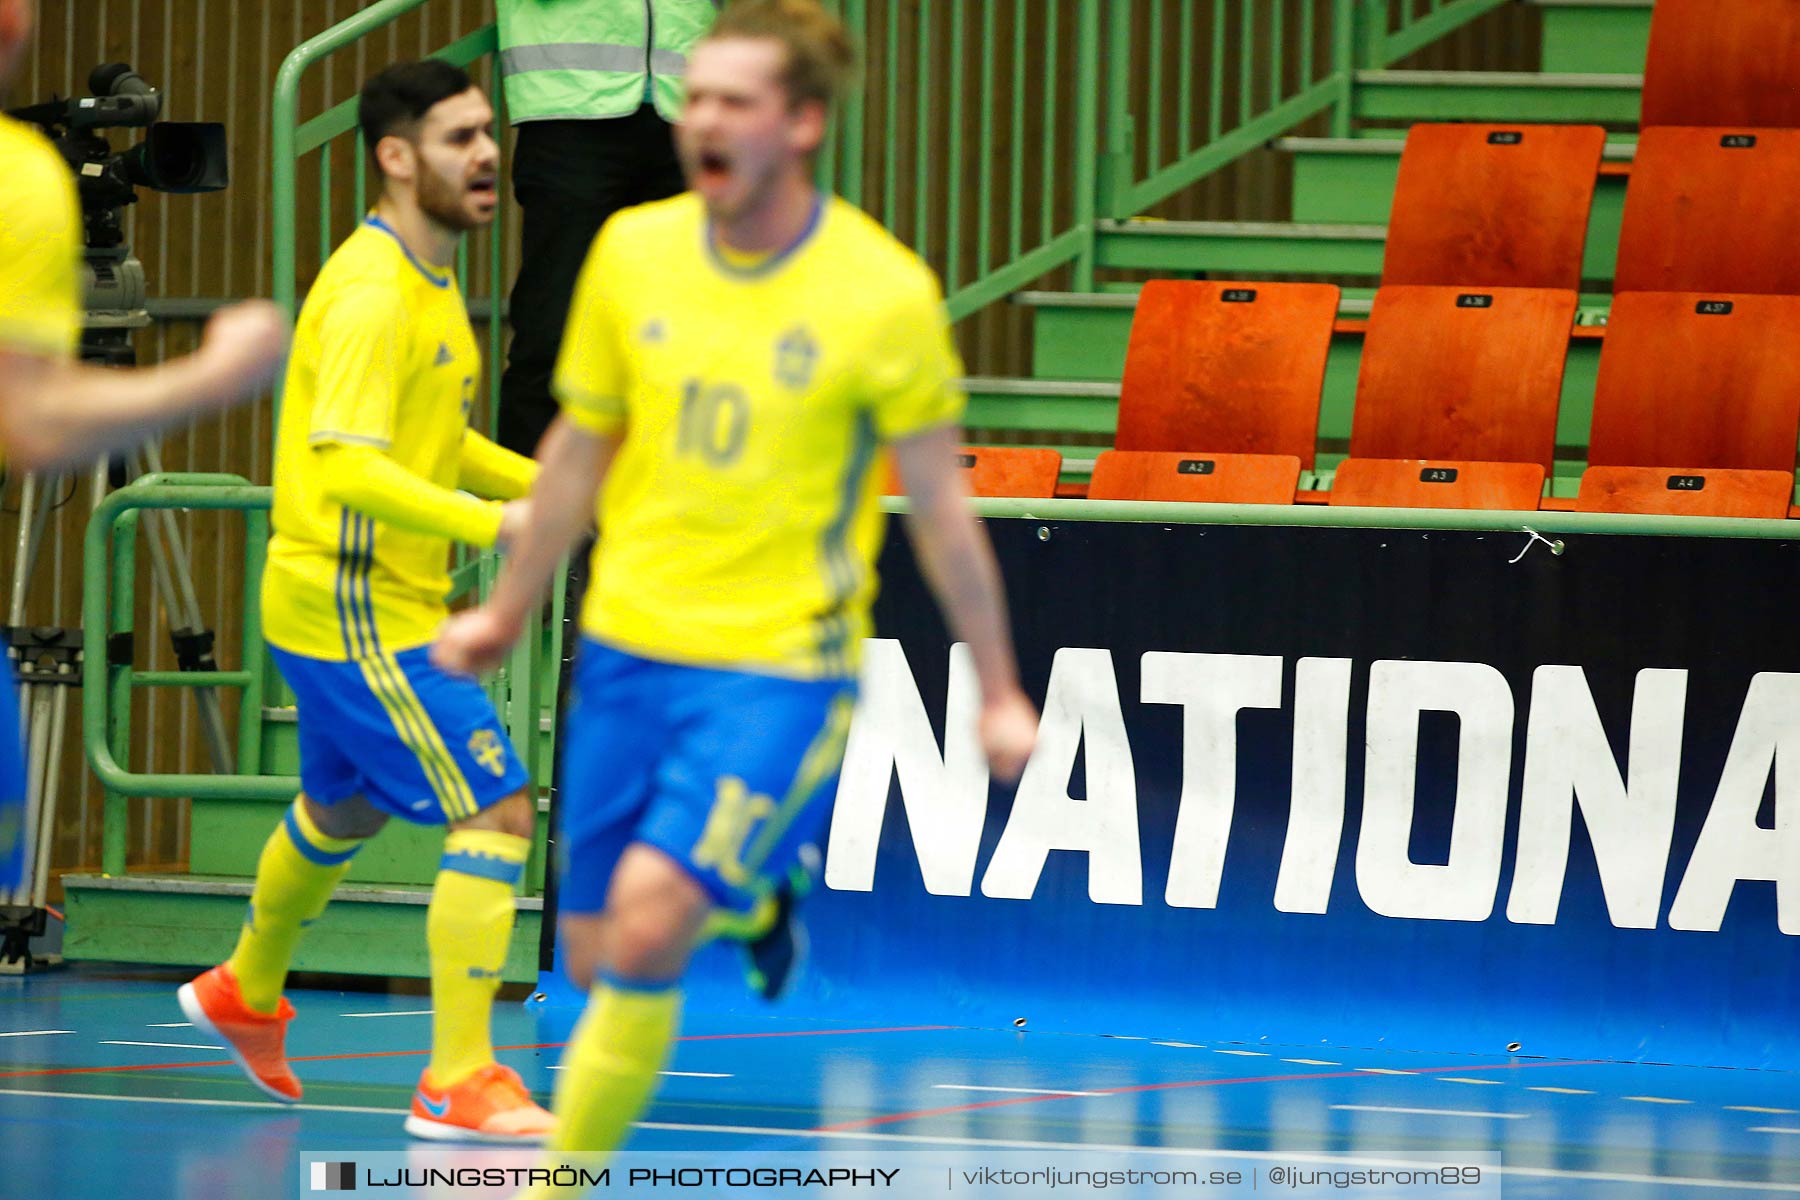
54 412
572 465
958 562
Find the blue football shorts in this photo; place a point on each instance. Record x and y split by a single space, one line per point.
730 773
418 742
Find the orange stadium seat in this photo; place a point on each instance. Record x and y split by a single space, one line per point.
1723 62
1226 368
997 471
1462 374
1712 210
1686 492
1428 483
1174 475
1698 380
1493 205
1012 471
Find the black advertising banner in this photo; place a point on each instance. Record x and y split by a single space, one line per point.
1373 786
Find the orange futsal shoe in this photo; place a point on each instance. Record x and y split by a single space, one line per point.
491 1105
216 1007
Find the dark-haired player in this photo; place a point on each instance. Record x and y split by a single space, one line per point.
373 469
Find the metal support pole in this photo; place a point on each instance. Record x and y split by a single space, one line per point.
188 634
52 786
32 654
1344 42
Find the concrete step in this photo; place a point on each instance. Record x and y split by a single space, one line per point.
193 921
1043 405
1546 96
1594 36
1351 181
228 837
1247 247
1311 248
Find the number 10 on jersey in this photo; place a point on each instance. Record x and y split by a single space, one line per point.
715 420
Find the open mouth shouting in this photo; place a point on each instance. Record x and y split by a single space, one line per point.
712 169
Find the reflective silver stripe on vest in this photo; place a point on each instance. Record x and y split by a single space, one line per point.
667 62
574 56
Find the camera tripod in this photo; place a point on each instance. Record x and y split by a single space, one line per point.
47 660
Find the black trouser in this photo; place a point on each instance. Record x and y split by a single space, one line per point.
569 177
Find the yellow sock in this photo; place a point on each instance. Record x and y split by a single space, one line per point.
610 1066
294 877
467 928
608 1071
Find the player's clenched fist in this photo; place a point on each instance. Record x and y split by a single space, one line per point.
244 346
474 641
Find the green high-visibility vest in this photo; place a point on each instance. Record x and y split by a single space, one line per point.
597 58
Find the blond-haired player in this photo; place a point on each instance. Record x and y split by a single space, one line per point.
736 360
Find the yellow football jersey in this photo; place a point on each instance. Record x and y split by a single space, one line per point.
740 520
40 246
383 356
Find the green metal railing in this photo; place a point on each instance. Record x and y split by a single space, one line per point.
1243 72
1028 122
991 135
108 678
1544 522
966 141
1393 29
1251 70
110 569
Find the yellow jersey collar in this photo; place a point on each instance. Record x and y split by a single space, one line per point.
773 262
440 279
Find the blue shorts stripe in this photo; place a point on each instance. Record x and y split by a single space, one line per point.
315 854
482 866
457 796
368 646
388 682
355 740
821 762
379 672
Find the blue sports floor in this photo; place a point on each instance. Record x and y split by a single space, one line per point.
103 1093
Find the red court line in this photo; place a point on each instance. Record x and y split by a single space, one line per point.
226 1062
866 1122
